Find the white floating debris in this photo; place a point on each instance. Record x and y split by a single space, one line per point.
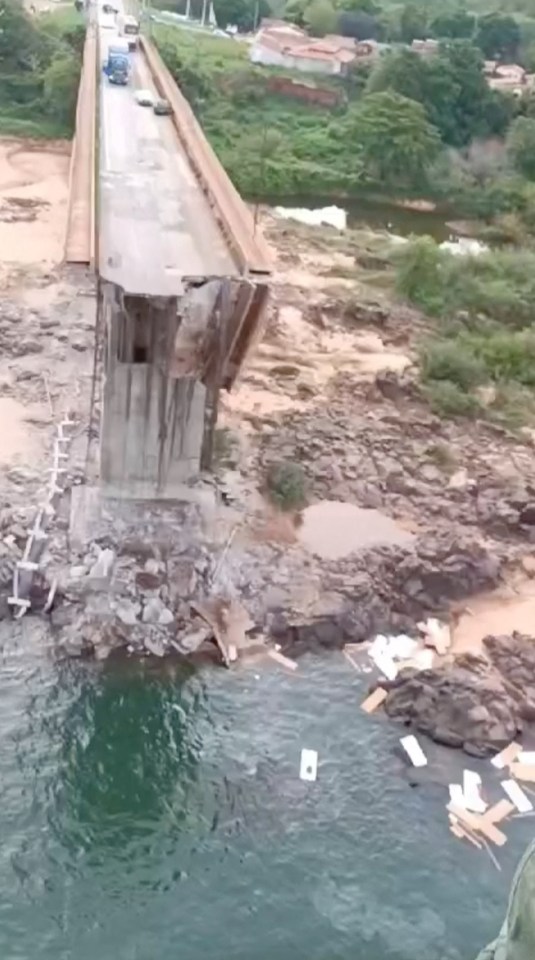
472 797
309 765
457 795
526 756
414 751
515 793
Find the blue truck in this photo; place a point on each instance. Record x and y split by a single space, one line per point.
117 67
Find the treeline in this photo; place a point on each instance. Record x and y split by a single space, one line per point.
409 126
40 61
498 35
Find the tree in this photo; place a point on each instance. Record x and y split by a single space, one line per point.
294 12
521 146
359 6
60 81
455 25
413 23
320 17
452 89
401 70
362 26
240 13
479 111
395 140
19 38
498 36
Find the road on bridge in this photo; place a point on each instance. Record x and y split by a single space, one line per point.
155 223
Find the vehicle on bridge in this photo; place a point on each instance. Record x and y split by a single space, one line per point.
162 108
129 28
117 66
144 98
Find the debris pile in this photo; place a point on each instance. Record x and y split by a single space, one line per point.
471 815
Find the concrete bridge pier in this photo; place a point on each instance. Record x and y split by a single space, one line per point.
157 402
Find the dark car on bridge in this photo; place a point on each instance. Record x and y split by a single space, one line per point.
162 107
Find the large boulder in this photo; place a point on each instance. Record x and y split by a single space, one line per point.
477 703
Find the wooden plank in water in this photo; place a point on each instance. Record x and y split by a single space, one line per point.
374 700
475 821
523 771
284 661
499 812
506 756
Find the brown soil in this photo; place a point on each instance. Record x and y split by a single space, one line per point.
46 316
33 202
333 387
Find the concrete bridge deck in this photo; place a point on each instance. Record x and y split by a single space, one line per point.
183 278
156 225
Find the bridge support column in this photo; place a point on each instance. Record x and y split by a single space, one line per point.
154 400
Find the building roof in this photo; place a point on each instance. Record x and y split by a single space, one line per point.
297 43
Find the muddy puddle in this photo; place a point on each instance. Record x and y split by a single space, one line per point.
333 529
501 611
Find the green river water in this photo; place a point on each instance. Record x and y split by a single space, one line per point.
148 812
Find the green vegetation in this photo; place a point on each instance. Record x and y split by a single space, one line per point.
286 485
483 362
40 61
410 126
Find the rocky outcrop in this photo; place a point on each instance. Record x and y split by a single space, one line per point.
478 704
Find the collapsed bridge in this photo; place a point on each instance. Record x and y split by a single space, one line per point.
183 277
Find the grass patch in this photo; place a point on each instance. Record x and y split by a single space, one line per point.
286 485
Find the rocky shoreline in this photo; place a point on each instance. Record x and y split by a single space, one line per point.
477 703
331 390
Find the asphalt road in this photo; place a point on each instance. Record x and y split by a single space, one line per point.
155 225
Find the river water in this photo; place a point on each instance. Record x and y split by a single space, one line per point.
376 215
149 812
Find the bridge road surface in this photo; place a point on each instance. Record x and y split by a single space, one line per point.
155 224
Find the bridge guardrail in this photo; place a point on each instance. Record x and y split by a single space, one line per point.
250 251
80 236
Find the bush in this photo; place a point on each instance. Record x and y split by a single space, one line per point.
286 485
418 276
506 356
498 286
60 82
447 399
453 362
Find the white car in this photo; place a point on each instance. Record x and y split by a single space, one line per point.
144 98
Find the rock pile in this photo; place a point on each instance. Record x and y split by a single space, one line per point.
138 598
477 703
